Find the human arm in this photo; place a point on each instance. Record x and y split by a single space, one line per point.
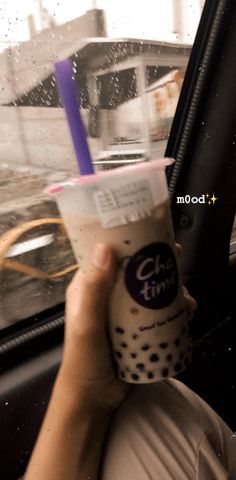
86 390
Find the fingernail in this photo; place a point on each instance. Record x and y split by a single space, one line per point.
100 256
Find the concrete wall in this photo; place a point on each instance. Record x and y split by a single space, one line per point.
39 137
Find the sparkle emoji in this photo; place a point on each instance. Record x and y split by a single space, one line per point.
212 199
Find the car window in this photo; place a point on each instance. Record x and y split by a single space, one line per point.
129 63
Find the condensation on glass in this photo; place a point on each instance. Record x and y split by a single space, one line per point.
129 64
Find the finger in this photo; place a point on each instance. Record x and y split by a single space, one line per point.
191 307
191 301
178 248
86 342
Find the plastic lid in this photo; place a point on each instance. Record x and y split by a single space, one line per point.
86 179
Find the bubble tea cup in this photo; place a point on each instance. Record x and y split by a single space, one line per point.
128 208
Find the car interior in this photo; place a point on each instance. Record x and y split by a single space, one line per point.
201 182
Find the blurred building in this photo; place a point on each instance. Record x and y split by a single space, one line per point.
117 81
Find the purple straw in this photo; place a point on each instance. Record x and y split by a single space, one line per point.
67 91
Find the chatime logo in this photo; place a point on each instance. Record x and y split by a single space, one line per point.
151 276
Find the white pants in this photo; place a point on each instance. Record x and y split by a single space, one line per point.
164 431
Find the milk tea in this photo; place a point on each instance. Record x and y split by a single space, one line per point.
128 209
147 316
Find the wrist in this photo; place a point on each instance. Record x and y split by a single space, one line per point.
71 439
78 401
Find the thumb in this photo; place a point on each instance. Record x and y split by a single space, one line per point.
98 279
88 293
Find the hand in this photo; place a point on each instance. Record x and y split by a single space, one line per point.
87 369
73 432
191 304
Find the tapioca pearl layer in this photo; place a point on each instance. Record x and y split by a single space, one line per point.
153 353
149 376
169 361
150 353
149 363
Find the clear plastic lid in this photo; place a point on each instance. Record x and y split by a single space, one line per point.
122 190
137 169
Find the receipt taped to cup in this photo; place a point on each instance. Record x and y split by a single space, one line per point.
124 204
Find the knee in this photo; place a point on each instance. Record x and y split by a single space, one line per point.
156 426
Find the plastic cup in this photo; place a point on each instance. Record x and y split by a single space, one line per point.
128 208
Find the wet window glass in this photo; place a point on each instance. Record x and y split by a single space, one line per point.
129 64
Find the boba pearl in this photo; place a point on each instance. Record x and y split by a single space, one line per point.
169 357
118 354
163 345
135 376
154 358
150 375
133 355
165 372
177 342
135 336
140 366
124 345
119 330
145 347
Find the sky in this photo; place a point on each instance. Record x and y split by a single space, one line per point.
149 19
